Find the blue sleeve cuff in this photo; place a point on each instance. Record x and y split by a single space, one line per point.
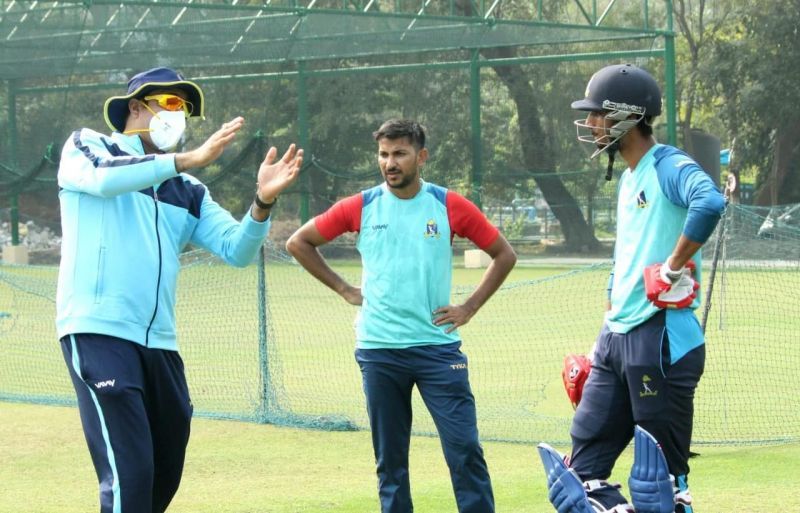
164 167
255 229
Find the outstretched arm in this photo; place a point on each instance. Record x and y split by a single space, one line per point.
503 260
302 245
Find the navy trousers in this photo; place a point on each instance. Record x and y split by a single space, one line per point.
136 412
440 373
632 382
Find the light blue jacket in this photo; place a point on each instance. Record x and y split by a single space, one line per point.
125 219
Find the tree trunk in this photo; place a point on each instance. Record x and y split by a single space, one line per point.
578 235
782 186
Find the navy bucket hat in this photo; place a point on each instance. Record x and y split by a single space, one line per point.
116 107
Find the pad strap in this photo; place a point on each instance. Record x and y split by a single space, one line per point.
683 498
619 508
622 508
598 484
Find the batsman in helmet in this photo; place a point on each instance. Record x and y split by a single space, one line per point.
650 353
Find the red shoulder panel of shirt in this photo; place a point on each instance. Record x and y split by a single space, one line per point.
466 220
343 216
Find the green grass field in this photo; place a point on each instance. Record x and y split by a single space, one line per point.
239 467
515 345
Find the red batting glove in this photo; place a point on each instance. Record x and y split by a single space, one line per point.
666 288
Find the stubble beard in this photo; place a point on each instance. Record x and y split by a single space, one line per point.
405 182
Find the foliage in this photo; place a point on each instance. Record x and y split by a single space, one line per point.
736 70
744 86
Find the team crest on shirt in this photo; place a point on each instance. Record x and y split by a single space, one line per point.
432 229
641 200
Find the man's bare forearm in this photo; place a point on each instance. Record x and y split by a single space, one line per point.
310 258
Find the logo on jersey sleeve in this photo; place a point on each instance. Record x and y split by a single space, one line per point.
432 229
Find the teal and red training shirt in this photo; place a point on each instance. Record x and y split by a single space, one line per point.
406 254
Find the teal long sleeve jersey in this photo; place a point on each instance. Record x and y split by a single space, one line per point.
666 196
126 217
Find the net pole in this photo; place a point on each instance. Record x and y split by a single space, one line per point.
669 79
12 153
263 355
715 259
475 122
303 136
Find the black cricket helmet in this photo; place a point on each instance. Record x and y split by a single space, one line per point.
626 94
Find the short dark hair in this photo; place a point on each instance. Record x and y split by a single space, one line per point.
397 128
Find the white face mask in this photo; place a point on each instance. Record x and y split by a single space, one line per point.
167 128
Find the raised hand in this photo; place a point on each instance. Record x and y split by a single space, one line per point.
274 177
211 149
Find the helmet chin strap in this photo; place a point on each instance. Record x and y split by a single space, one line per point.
612 151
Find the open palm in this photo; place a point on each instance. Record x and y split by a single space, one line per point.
274 177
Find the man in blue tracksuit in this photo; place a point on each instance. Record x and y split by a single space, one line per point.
650 354
127 211
406 328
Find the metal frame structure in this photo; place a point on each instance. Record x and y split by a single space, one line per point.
103 40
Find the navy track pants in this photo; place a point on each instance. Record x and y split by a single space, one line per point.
632 382
440 373
136 412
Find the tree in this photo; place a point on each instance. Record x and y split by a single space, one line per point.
752 64
773 59
699 25
537 154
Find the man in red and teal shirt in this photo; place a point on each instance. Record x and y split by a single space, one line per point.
406 329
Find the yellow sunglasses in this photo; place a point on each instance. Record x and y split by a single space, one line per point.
172 103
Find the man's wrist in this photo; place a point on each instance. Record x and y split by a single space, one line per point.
185 160
668 274
470 307
264 205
